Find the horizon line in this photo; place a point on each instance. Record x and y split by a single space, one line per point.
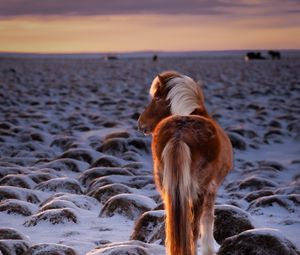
142 51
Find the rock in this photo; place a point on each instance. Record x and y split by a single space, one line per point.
275 123
91 174
150 227
123 134
104 193
160 204
266 172
53 216
13 206
272 164
11 234
10 192
17 180
237 141
114 146
272 133
258 241
39 177
137 182
288 202
243 132
13 247
292 188
130 156
122 248
229 221
30 135
66 164
4 171
138 144
7 133
5 125
49 248
81 201
107 161
62 184
129 205
109 124
63 200
39 137
138 167
57 204
257 194
63 142
256 183
79 154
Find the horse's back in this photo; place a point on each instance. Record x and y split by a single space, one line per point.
199 133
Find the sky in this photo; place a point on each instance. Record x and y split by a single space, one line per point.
75 26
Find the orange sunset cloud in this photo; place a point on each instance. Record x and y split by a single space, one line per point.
70 33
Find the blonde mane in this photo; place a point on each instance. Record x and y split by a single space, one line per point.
185 94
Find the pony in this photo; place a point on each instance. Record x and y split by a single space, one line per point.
191 156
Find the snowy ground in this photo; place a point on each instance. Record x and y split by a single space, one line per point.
68 128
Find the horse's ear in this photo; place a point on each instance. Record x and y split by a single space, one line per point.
161 79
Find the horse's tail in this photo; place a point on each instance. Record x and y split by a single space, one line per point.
177 196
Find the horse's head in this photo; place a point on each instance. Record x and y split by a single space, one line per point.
171 94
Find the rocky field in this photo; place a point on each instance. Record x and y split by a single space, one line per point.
76 175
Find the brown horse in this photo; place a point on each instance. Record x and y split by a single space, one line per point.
191 154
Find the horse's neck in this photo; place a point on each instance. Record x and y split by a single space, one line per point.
201 112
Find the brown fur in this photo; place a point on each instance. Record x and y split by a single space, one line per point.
192 155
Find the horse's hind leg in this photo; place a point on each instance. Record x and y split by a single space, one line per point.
197 211
207 224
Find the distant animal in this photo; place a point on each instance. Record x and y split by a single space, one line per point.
110 57
253 55
274 54
154 58
191 156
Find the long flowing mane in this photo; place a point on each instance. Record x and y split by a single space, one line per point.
184 93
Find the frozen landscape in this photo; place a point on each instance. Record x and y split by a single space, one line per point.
76 175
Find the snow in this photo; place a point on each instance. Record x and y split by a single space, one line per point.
84 101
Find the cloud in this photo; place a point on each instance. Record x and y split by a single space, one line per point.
140 32
129 7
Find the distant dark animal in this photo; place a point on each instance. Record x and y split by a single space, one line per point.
253 55
154 58
192 155
274 54
110 57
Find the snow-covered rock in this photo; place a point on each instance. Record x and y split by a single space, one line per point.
258 241
238 142
11 234
53 216
150 227
102 194
61 184
131 181
79 154
124 248
13 247
10 192
15 206
128 205
107 161
229 221
49 248
91 174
